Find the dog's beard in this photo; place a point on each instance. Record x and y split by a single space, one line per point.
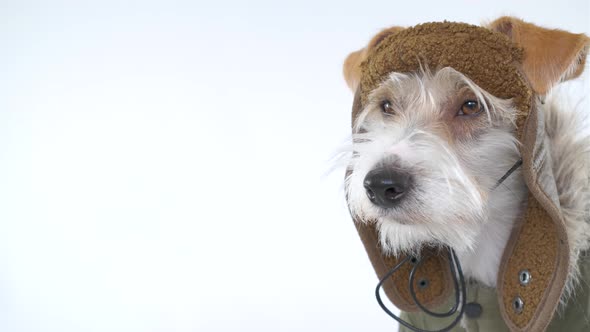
444 207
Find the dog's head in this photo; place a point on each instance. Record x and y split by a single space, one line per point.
430 144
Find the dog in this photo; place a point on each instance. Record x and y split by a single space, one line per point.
429 147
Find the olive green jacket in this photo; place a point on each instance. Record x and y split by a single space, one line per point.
574 317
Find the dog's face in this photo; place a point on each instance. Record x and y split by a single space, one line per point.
428 149
430 146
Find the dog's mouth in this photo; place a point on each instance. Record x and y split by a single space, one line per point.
403 217
405 212
401 221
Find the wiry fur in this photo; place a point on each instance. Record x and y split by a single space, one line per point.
454 203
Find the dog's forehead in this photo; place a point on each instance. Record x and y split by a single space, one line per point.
486 57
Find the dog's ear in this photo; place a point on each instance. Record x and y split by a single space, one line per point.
352 64
550 56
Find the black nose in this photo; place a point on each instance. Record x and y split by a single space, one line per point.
386 186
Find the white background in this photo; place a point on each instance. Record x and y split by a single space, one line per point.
162 163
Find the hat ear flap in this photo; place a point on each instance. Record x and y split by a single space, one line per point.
551 56
352 64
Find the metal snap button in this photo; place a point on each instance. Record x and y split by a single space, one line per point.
473 310
422 283
524 277
518 305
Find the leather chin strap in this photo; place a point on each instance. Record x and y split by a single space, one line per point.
538 244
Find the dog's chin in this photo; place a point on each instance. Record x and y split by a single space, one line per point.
402 235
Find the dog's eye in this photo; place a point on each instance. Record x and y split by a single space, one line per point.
470 107
386 107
